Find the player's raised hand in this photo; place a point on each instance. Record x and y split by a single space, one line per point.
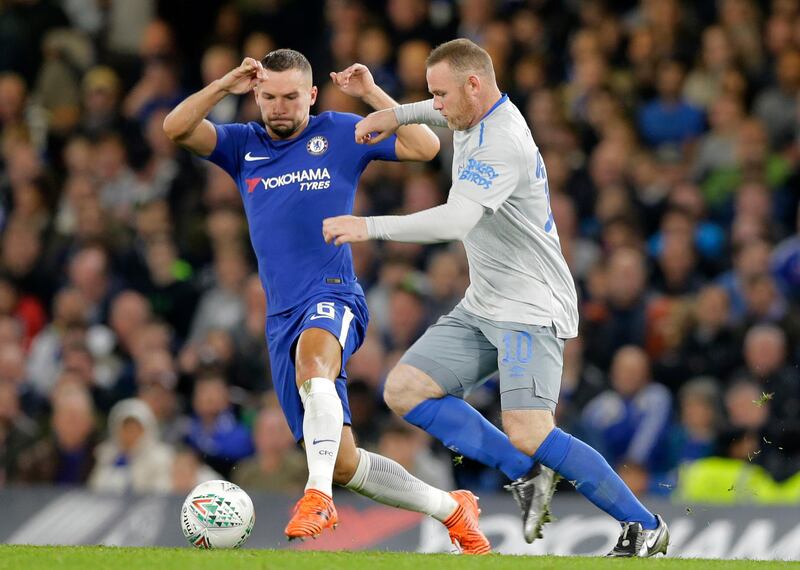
356 80
244 78
344 229
376 127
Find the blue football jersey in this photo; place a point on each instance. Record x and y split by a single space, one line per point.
288 187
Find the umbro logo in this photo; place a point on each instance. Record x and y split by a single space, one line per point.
250 158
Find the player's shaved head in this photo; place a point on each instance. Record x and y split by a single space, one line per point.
464 58
286 59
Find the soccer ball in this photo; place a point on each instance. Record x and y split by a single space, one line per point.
217 514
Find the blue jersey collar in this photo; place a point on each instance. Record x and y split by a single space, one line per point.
500 101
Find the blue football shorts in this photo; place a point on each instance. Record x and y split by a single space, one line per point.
344 316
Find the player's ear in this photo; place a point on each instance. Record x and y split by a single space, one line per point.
474 84
314 92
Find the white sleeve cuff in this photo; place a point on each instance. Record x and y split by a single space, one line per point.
421 112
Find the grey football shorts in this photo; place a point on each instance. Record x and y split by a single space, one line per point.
462 351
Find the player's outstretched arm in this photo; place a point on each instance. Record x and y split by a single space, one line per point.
186 124
448 222
414 142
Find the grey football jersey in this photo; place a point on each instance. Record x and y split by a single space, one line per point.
516 268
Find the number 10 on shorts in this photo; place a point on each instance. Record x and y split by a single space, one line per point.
518 347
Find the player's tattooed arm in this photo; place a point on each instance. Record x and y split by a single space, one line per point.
187 125
415 142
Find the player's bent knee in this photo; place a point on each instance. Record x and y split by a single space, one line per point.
318 355
313 367
394 392
406 387
527 429
527 443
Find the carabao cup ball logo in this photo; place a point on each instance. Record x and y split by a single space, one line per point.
317 145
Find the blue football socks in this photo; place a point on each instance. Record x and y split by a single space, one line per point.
463 429
593 477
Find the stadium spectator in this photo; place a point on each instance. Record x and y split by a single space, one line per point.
17 432
749 260
25 308
89 272
20 259
708 346
581 382
44 359
188 472
716 149
622 320
222 307
700 420
776 105
159 86
19 115
252 368
65 456
133 458
215 432
167 284
217 61
630 422
669 119
278 464
156 384
703 86
765 352
368 364
407 318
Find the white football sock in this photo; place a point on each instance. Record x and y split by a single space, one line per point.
387 482
322 431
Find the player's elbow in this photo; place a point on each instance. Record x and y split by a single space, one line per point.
172 128
459 233
430 148
423 149
453 232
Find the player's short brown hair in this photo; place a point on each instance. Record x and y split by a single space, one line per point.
464 57
284 59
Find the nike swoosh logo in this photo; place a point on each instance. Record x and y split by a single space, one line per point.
316 441
250 158
652 539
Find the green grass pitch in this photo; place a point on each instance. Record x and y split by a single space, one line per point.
101 558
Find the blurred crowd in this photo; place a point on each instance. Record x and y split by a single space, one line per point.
132 351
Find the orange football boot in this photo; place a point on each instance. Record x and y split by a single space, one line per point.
463 525
313 513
